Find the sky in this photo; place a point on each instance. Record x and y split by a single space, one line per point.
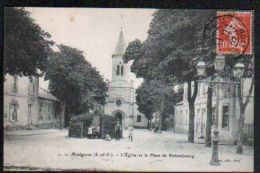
94 31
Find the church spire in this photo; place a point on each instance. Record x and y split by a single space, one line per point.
120 47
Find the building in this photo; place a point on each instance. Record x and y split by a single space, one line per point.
27 105
121 93
229 112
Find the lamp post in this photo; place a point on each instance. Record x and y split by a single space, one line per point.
219 64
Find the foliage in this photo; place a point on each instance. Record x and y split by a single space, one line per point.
150 95
84 117
174 45
73 80
26 45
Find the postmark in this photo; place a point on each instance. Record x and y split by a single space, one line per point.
234 33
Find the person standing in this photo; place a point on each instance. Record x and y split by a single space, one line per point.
90 132
117 130
130 132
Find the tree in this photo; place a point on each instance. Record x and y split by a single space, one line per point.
249 72
26 45
174 45
73 80
153 96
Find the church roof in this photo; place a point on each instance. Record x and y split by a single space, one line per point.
120 47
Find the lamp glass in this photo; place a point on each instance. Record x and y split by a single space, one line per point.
238 70
219 62
201 68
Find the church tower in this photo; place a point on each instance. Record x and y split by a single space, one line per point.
120 102
120 70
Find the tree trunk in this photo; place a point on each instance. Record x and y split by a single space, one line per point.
209 118
191 100
148 124
63 106
191 123
240 131
161 112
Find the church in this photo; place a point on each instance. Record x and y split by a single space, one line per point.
121 92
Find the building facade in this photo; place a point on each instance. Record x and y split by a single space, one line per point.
25 104
121 92
229 112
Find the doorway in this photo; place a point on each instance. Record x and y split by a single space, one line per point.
119 117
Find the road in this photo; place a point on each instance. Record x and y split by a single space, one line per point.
54 150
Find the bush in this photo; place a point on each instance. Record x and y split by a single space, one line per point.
86 118
108 123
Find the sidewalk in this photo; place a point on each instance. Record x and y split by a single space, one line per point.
33 132
182 138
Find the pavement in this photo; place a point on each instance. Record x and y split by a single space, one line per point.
53 150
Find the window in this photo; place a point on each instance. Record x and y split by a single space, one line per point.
41 112
13 111
15 83
49 111
29 114
227 91
225 117
122 70
198 120
118 102
198 90
30 86
139 118
117 70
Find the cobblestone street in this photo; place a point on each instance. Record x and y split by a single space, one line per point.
54 150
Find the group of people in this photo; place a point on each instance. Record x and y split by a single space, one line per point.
118 129
93 132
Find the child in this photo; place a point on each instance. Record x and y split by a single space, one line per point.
90 132
130 132
108 138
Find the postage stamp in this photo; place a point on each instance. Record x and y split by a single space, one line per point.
234 35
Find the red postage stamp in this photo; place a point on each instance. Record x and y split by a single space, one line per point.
234 33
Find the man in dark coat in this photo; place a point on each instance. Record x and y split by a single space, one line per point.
117 130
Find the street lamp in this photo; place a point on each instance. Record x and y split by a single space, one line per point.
238 70
219 64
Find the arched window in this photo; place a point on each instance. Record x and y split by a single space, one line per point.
122 70
117 70
139 118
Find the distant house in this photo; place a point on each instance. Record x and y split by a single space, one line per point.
228 112
25 104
